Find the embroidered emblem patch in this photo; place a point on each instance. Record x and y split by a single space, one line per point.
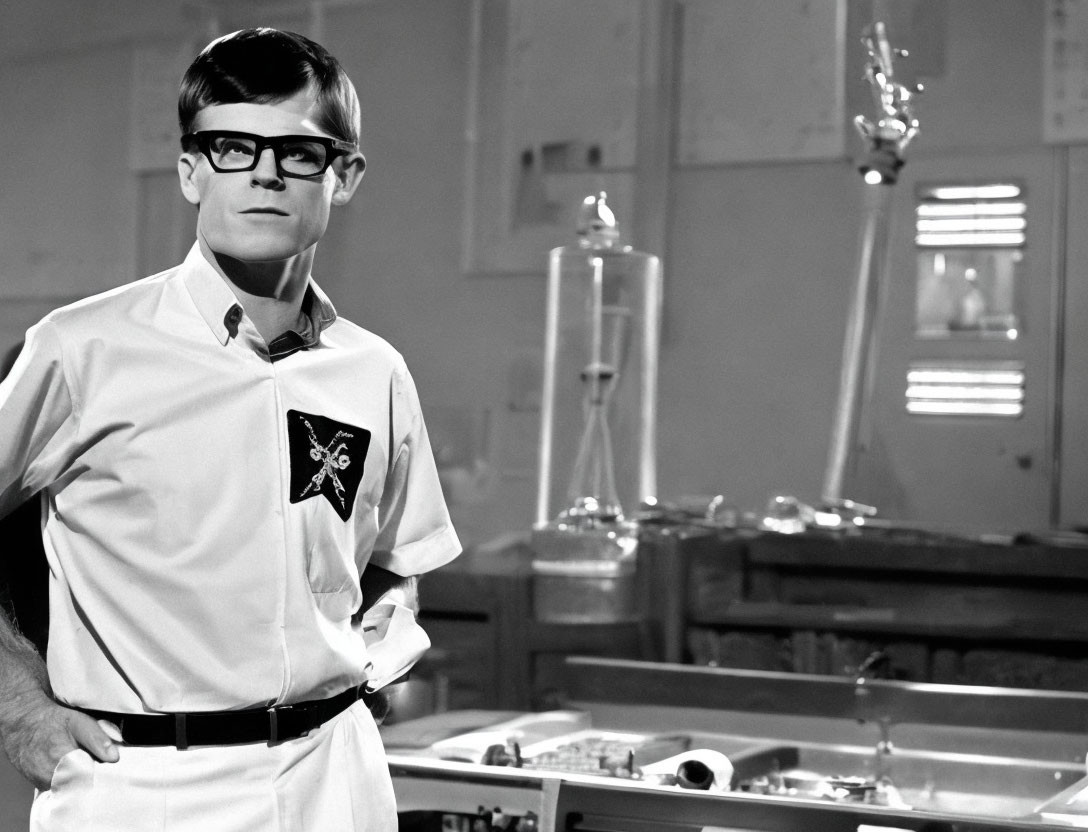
326 458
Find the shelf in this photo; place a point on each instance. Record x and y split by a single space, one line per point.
926 554
974 625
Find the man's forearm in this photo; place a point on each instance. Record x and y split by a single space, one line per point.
23 676
35 732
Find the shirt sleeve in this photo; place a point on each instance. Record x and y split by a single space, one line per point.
37 418
415 534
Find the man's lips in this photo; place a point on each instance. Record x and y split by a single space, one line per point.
264 210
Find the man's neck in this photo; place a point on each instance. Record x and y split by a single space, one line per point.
271 292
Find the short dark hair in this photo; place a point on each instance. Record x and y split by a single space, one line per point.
262 66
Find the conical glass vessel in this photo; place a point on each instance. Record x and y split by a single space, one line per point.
592 490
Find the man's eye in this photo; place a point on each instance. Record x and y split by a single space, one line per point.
308 153
235 148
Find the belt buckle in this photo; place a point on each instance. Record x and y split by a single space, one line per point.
274 721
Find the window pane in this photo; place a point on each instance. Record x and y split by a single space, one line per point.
967 292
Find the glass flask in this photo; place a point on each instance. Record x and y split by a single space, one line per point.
598 421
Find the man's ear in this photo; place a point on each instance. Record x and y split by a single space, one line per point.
348 171
186 170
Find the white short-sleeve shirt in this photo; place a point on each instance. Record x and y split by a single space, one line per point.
208 511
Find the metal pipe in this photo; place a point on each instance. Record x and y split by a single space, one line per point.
859 344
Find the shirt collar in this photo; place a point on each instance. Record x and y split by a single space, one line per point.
211 294
321 311
220 308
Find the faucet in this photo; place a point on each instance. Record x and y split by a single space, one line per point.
874 663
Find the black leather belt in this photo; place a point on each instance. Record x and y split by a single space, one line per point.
279 722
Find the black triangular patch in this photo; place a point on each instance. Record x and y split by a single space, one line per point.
326 458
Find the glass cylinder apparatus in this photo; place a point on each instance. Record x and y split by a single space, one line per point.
598 420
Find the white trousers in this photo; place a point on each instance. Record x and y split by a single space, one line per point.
333 780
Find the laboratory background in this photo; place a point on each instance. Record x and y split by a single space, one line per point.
752 341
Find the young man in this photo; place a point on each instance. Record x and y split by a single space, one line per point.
237 492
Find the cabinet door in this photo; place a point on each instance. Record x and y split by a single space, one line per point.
986 471
464 653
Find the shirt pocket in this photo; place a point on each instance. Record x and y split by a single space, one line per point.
332 573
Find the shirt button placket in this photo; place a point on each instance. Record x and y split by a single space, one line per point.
283 464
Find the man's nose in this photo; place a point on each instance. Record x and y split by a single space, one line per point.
267 172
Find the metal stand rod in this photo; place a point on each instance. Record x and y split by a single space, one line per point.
859 344
886 137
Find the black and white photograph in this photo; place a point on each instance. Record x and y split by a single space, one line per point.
543 415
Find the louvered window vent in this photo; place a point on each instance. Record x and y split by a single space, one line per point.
983 388
960 216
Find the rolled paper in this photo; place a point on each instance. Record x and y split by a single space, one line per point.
694 767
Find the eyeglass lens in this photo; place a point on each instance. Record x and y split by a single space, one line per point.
296 156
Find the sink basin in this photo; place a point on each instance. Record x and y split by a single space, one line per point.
988 786
979 785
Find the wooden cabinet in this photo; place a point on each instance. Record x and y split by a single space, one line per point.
471 613
940 609
494 652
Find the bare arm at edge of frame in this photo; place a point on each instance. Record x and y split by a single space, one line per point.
35 731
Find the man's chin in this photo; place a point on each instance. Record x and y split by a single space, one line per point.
254 251
263 254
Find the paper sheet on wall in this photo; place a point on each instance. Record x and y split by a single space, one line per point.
554 105
762 81
1065 71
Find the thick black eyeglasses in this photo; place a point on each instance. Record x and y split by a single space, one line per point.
300 157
